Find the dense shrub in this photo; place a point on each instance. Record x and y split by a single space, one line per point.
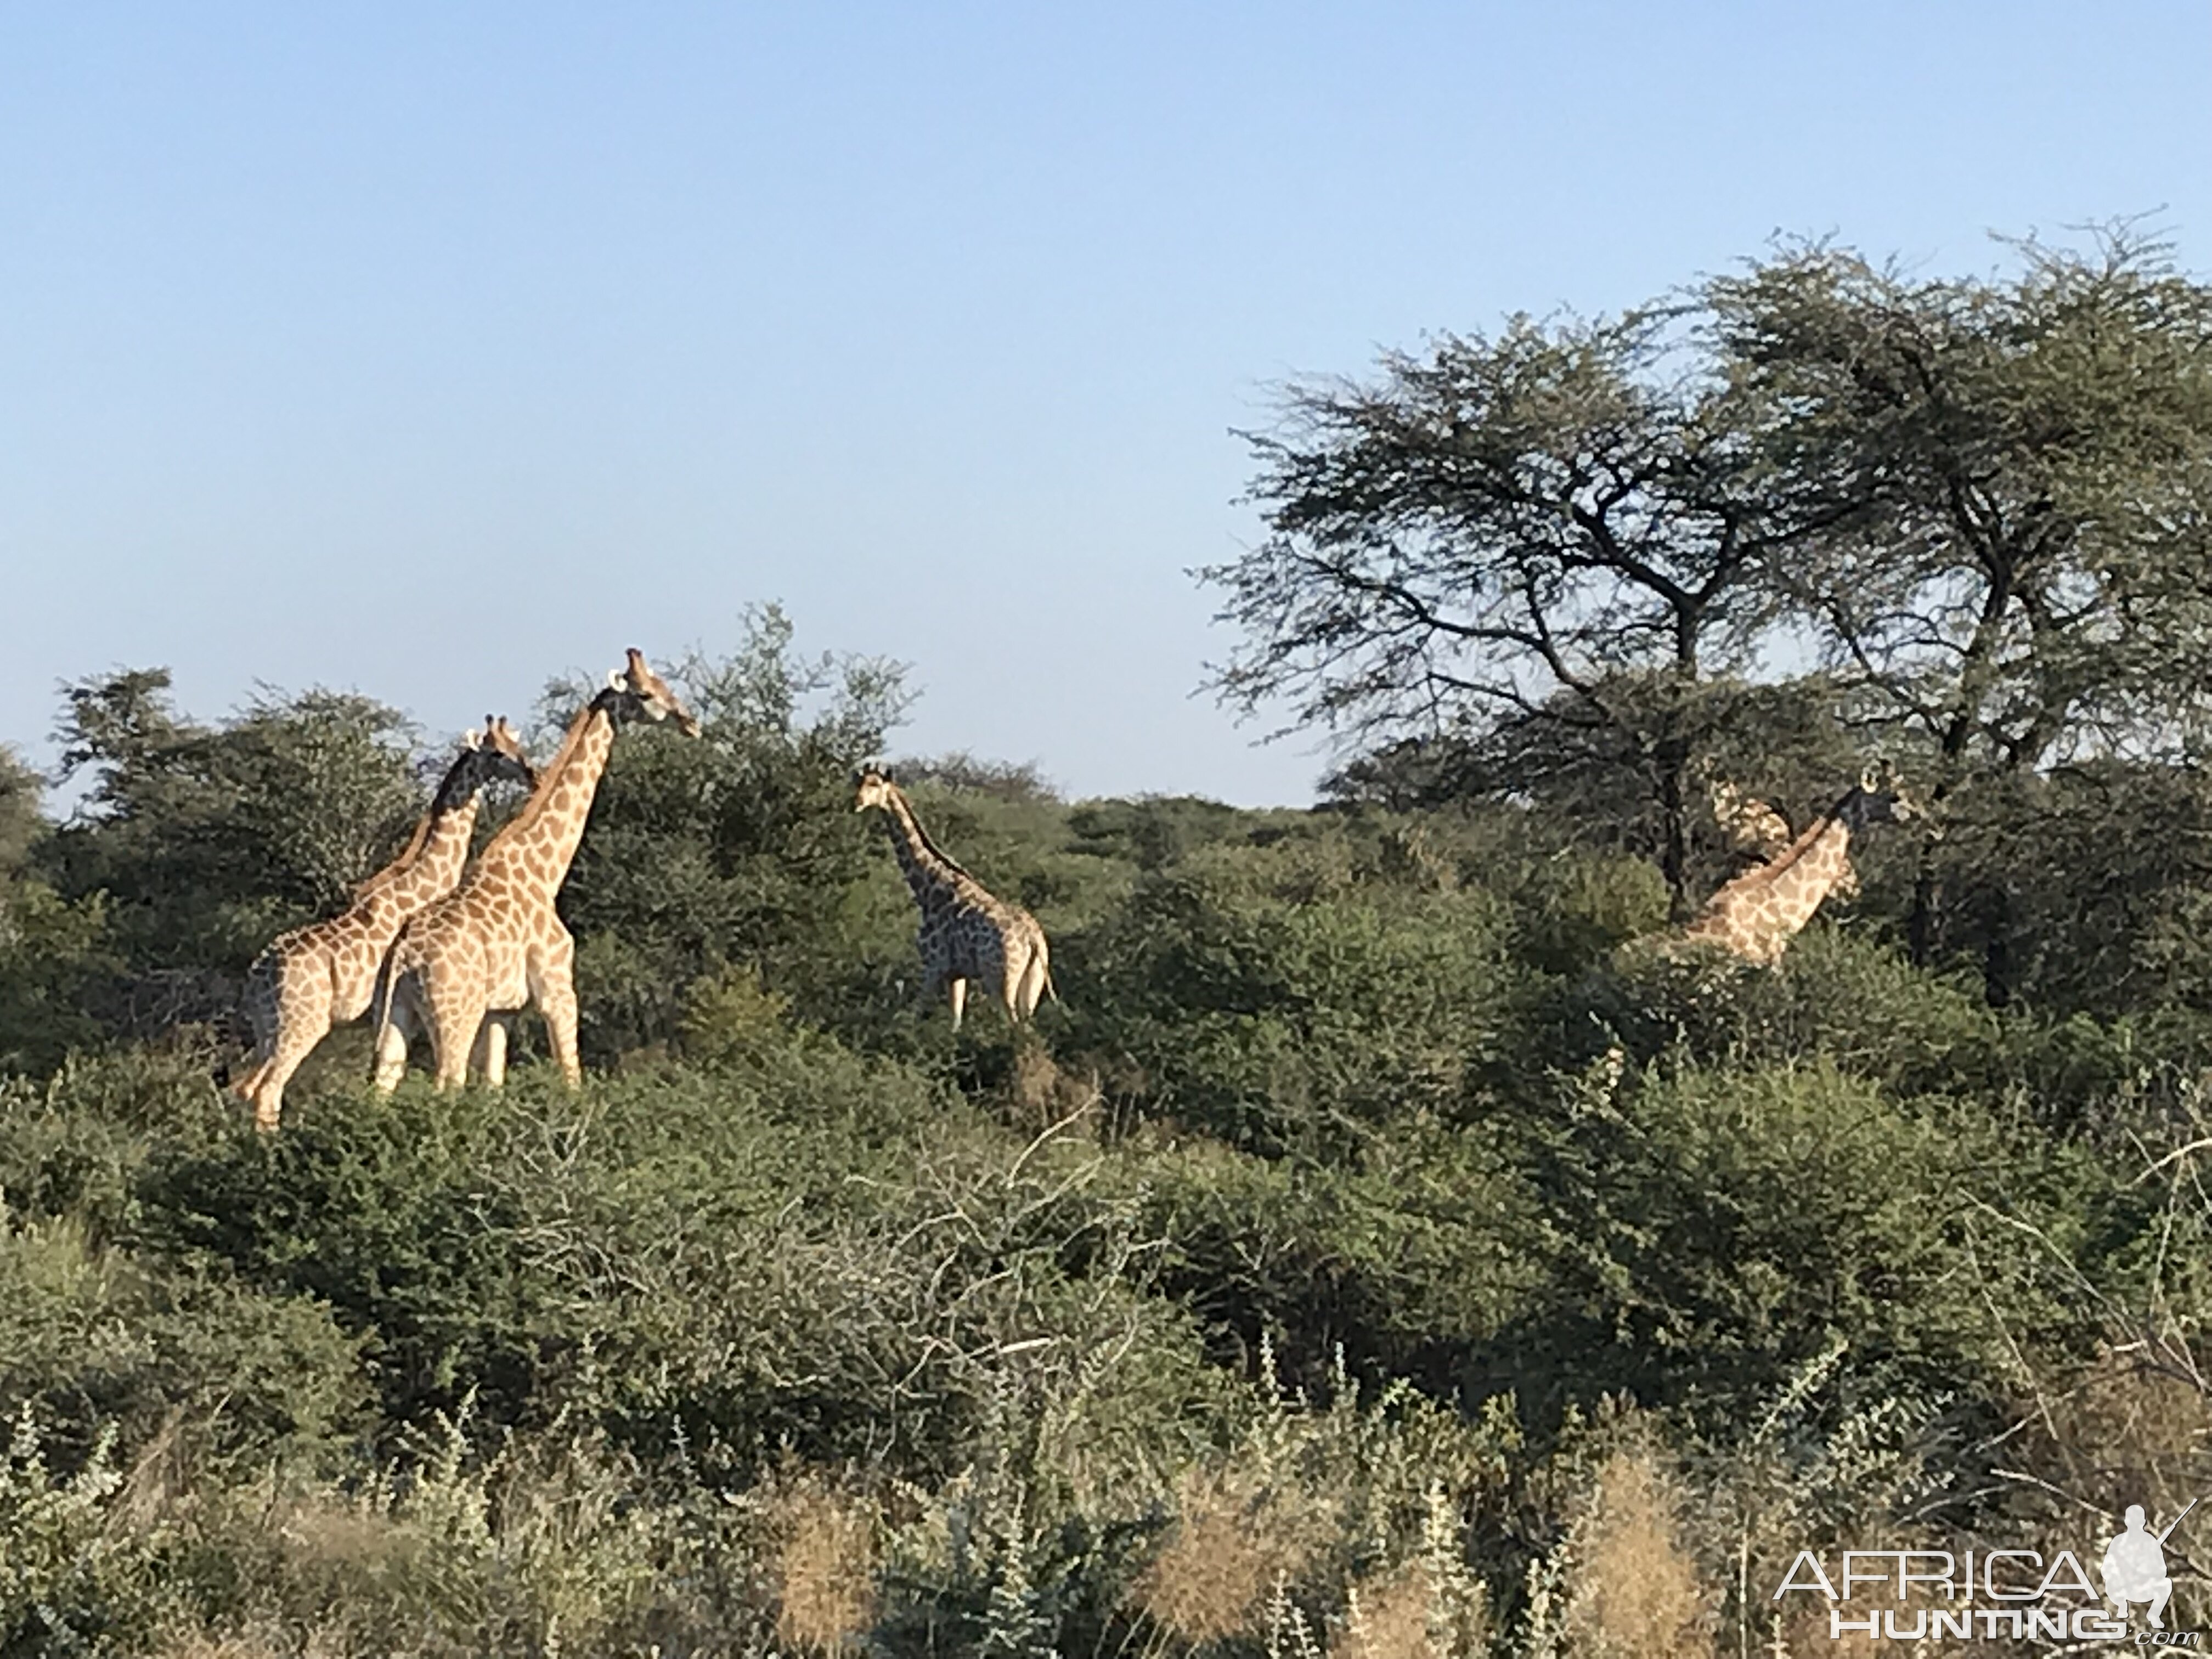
1271 996
1709 1233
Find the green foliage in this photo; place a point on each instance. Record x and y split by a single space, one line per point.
53 958
809 1324
737 848
206 840
95 1340
55 1554
1712 1231
1834 998
1409 1263
1272 996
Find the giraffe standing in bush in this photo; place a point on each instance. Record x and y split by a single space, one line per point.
462 967
966 933
1755 916
313 978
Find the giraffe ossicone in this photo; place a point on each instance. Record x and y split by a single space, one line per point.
324 975
966 932
462 968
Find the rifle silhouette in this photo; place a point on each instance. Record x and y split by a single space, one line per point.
2176 1521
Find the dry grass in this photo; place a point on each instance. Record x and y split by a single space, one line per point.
1229 1545
2126 1434
1036 1084
826 1569
1634 1591
259 1641
1393 1617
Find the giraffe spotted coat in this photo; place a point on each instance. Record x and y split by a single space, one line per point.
966 934
1755 916
313 978
462 967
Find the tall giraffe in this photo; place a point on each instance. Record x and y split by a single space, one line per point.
495 945
308 981
966 933
1755 916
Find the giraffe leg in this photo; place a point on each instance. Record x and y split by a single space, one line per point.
490 1056
303 1021
262 1019
1034 977
553 984
454 1023
294 1045
1013 965
959 988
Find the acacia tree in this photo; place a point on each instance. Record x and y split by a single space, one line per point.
1546 541
205 840
1980 503
2016 474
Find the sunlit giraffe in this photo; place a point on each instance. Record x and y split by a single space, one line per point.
324 975
1755 916
462 967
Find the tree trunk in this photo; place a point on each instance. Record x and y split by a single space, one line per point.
1675 830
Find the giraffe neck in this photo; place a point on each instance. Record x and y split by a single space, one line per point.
539 846
1812 866
431 861
934 877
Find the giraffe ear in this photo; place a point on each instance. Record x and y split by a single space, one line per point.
472 739
1870 780
617 681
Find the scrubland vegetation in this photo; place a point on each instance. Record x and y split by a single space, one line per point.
1380 1251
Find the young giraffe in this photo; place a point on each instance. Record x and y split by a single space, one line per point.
1755 916
965 933
463 966
324 975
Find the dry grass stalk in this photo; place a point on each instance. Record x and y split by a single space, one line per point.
1229 1545
1393 1617
1635 1590
825 1569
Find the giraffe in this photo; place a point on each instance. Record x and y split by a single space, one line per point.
966 933
1751 825
464 966
1756 831
313 978
1755 916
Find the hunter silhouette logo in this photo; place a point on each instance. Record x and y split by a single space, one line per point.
2135 1566
1999 1594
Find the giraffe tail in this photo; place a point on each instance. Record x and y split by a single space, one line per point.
380 1014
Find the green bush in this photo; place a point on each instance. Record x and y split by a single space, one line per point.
1275 996
1405 1264
1832 998
1708 1233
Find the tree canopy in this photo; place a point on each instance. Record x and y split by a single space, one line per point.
1964 516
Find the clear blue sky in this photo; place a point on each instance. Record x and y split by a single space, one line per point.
432 349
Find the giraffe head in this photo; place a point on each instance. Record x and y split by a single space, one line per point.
638 693
1879 798
873 786
498 755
